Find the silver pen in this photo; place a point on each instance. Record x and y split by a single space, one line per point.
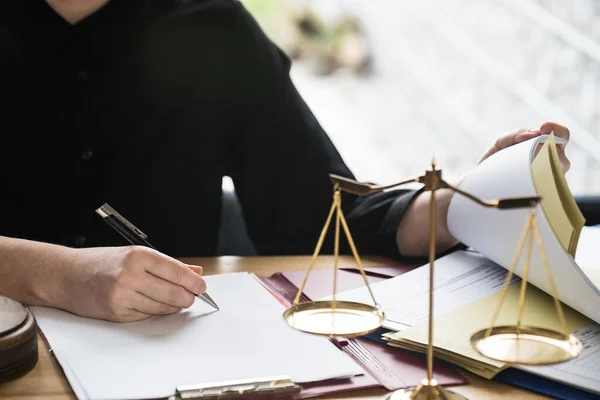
137 237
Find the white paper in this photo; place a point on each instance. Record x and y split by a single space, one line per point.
583 371
588 248
247 338
460 278
495 233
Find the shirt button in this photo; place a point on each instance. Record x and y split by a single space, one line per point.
80 240
87 155
82 75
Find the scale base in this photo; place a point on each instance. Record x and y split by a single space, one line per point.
334 318
526 345
427 390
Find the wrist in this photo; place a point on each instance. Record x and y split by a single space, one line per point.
53 268
413 232
443 235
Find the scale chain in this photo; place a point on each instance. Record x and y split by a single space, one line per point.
510 274
316 253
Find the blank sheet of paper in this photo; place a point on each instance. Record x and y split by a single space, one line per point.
247 338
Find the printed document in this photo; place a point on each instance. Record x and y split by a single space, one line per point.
583 371
460 279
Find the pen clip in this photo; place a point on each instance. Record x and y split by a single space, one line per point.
105 210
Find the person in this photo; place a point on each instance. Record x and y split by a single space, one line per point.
146 105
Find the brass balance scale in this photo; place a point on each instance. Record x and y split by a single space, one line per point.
515 344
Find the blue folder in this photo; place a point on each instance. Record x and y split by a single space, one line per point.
544 386
524 380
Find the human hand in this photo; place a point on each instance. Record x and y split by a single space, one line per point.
125 284
520 135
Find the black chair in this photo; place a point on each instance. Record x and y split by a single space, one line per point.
590 208
233 238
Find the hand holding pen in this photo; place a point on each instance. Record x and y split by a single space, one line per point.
119 284
172 280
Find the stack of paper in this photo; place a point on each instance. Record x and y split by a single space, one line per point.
467 287
453 330
246 339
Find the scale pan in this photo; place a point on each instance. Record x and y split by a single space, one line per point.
526 345
334 318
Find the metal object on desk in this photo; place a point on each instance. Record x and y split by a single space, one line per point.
260 388
518 344
333 317
18 340
523 342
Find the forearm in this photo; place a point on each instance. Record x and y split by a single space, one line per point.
30 271
413 232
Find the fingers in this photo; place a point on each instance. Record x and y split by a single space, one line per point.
178 273
146 305
564 161
526 135
165 292
559 130
127 315
520 135
196 269
509 139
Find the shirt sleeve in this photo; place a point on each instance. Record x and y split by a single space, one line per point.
282 159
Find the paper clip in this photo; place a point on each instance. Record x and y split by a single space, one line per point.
267 387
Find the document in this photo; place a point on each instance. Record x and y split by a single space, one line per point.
495 233
583 371
460 278
248 338
453 331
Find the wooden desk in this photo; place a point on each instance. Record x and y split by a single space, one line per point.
47 381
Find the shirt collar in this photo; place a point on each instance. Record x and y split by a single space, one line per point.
101 32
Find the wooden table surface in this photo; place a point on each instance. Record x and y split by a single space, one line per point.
47 381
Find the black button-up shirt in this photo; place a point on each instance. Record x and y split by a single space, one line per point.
146 105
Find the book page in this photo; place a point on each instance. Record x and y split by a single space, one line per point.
495 233
558 203
568 201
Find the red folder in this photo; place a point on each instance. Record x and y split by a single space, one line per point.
384 365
